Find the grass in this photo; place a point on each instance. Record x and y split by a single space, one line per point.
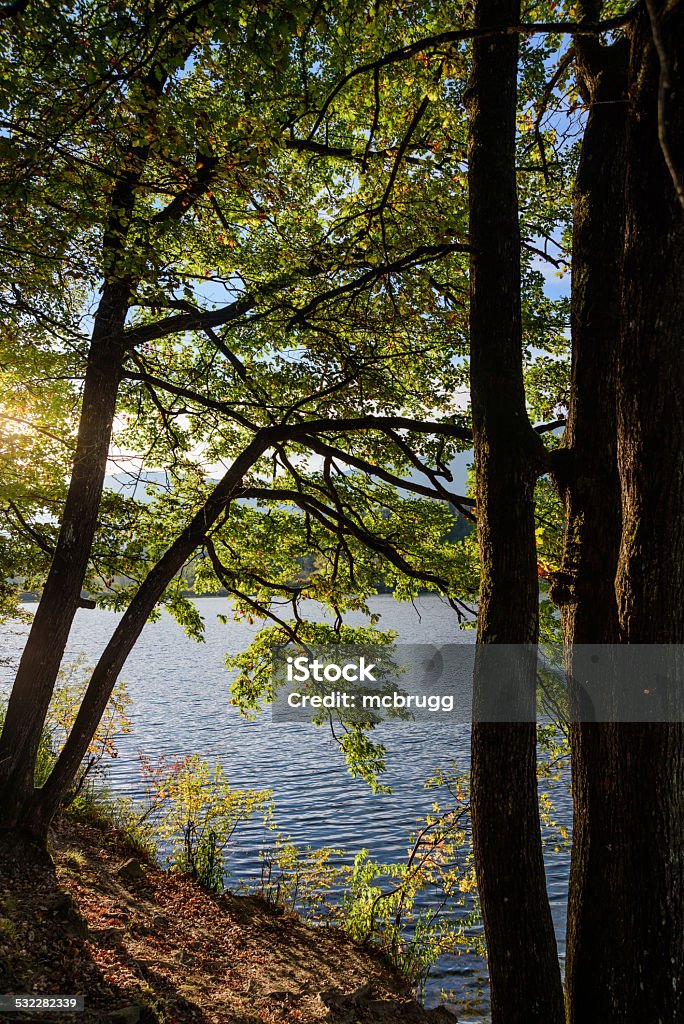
96 806
74 860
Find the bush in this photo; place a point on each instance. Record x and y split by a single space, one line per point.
381 904
193 804
301 878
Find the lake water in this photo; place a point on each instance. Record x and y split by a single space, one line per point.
180 706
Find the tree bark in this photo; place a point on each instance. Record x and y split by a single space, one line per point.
649 852
588 480
523 962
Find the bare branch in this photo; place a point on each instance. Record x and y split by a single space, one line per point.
664 87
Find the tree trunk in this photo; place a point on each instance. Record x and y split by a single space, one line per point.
523 962
59 601
649 852
41 809
42 655
626 918
588 480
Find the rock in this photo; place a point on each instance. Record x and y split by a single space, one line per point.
131 871
363 994
61 904
126 1015
441 1015
349 1008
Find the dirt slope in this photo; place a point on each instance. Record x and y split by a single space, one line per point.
146 946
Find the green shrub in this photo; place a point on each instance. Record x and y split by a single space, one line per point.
193 804
301 878
381 903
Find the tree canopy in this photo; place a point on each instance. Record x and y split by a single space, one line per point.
294 247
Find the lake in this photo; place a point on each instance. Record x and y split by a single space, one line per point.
180 706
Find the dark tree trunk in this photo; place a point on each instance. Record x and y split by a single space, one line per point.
586 465
650 584
588 480
42 808
625 540
649 853
59 601
523 963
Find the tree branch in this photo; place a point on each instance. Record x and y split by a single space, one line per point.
293 431
333 519
664 87
206 166
458 500
584 28
45 546
204 320
423 254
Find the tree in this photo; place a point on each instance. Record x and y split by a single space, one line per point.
509 456
619 477
193 179
61 593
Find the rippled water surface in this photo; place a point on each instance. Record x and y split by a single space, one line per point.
180 706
